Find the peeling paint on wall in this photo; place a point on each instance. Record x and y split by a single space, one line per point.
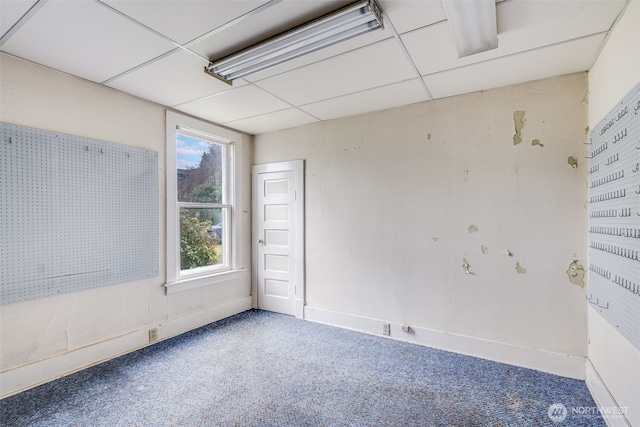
518 120
576 273
435 239
466 266
586 130
428 137
472 228
466 176
537 142
572 161
507 253
484 249
520 269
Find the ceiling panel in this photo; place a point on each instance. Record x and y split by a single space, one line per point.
375 65
524 25
175 79
11 11
85 39
273 121
393 95
564 58
407 15
234 104
185 20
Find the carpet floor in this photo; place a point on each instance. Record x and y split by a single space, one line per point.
264 369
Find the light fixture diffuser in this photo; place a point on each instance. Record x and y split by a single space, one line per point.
473 25
344 24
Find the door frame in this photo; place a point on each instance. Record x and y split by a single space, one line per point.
297 167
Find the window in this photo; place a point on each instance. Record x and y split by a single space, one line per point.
200 202
202 199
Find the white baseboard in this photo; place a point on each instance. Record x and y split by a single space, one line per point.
604 399
27 376
545 361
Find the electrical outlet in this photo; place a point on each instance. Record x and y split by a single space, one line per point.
386 329
153 334
406 328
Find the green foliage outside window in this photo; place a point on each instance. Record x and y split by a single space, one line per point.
197 248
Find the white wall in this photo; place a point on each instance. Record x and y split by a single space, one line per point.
615 73
45 338
390 197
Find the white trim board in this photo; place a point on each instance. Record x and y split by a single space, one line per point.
27 376
554 363
603 398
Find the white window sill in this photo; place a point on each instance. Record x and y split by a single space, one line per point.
202 281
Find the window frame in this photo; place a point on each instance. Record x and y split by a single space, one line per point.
177 279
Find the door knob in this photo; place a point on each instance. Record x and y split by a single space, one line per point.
260 242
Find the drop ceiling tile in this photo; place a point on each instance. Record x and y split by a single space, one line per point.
174 79
11 11
185 20
278 120
553 20
393 95
375 65
564 58
85 39
407 15
523 25
234 104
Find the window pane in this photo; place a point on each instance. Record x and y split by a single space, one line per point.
200 165
202 232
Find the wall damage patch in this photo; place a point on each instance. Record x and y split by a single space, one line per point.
518 120
484 249
520 269
472 229
572 161
537 142
576 273
466 266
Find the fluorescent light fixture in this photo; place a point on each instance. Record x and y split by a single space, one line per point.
473 25
344 24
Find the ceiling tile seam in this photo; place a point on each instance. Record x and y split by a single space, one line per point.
606 38
140 24
283 100
405 52
231 23
228 122
211 95
358 92
139 66
324 59
420 28
23 20
516 53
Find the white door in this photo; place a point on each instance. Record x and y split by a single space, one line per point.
278 194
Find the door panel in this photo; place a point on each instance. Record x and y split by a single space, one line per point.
278 251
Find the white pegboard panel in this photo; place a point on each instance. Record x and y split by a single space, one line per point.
75 213
614 217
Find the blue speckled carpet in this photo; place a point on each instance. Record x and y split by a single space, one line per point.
264 369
